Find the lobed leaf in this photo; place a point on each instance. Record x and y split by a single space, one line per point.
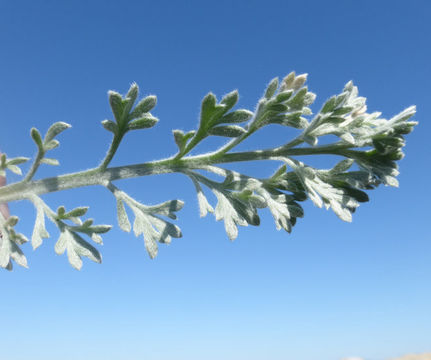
144 106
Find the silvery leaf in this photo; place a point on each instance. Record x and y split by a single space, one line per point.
54 130
39 231
123 219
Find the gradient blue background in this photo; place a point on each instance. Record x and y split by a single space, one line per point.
327 291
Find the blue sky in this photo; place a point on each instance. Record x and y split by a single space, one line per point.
328 290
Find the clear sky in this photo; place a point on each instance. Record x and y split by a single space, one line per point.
328 290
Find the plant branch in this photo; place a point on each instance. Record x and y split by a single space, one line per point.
372 143
97 176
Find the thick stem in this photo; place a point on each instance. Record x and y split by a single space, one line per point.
99 176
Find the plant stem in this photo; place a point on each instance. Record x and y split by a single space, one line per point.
34 166
112 150
100 176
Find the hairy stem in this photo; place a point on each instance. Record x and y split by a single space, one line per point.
34 166
111 151
99 176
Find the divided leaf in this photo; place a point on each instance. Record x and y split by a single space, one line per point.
204 205
9 244
123 219
182 139
239 197
325 188
76 248
39 230
147 220
11 164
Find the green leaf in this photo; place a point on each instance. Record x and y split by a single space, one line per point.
60 212
405 128
312 140
145 122
54 130
237 116
309 98
35 134
133 92
229 100
342 166
15 169
271 89
283 96
78 247
280 171
299 81
297 101
335 120
342 110
284 119
228 131
79 211
17 161
100 229
208 108
17 255
87 223
116 102
279 108
12 221
288 81
296 121
167 208
144 106
181 139
329 105
51 144
110 126
358 195
127 106
50 161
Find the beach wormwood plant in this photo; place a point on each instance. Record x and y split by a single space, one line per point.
368 146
